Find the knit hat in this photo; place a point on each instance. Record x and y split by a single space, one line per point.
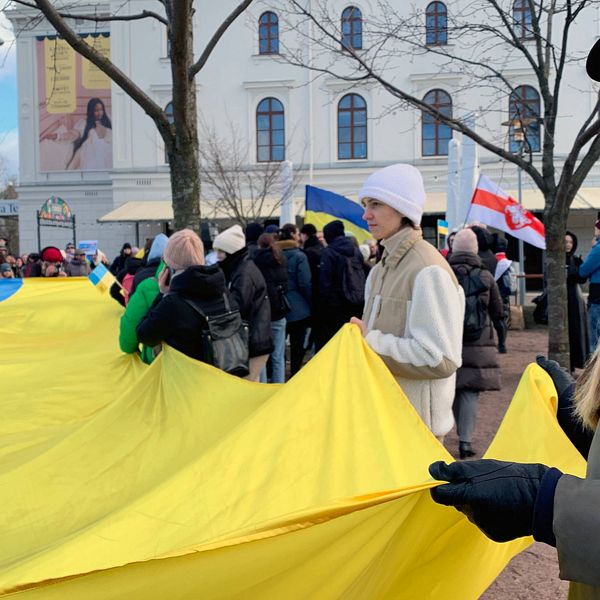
399 186
253 231
465 241
365 251
308 229
52 254
597 224
333 230
184 249
5 268
231 240
271 228
158 247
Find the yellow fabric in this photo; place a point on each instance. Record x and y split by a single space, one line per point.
319 220
175 480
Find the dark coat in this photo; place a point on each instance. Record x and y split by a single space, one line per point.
577 310
485 242
145 271
313 249
276 278
334 310
248 287
299 281
171 320
480 370
131 267
119 262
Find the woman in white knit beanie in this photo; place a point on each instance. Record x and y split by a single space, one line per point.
414 306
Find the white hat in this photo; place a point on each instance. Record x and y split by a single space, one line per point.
399 186
231 240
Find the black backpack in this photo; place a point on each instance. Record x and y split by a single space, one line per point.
475 309
225 339
353 280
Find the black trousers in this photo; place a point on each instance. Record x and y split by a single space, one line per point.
297 332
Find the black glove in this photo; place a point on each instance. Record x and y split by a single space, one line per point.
497 496
561 379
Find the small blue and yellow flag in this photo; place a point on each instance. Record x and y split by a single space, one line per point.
102 278
442 227
322 207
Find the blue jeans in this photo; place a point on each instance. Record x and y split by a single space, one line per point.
594 319
278 354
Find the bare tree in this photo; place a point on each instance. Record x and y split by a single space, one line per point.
180 133
487 40
241 192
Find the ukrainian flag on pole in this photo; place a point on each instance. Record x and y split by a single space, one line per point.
102 278
322 207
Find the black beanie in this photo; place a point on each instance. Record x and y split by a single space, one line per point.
253 232
333 230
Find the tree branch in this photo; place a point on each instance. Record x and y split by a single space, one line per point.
145 14
239 9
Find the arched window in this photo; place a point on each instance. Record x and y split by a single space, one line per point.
434 134
171 119
524 116
352 127
436 24
268 33
522 20
270 131
352 28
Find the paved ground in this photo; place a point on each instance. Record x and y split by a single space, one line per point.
534 572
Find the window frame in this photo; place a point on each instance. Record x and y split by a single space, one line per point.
526 102
520 11
352 110
271 39
427 119
270 113
352 15
438 30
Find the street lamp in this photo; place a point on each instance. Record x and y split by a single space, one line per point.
518 129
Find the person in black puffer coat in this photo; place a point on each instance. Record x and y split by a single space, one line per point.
480 370
313 248
334 308
132 265
253 232
119 262
170 318
486 252
272 264
248 287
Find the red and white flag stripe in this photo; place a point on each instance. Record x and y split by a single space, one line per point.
494 207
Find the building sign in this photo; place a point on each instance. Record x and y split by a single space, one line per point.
74 106
55 209
8 208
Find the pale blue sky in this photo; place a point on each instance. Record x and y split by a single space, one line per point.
9 148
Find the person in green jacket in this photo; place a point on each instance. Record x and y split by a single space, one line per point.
139 304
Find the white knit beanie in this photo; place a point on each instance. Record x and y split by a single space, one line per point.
231 240
399 186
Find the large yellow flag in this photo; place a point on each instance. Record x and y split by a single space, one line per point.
176 480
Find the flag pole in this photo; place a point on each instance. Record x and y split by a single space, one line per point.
471 203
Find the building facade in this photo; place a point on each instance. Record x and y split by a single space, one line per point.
334 132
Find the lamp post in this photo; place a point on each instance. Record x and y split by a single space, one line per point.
518 127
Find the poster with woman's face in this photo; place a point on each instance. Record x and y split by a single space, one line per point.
74 101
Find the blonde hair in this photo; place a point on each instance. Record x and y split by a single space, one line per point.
587 392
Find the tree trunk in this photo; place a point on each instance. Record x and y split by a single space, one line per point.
556 283
183 152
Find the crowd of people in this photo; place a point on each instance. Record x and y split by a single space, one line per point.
438 319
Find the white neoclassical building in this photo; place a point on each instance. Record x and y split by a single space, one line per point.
333 132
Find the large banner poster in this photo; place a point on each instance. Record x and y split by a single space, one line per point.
74 106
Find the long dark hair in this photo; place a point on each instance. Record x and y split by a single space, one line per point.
266 240
90 123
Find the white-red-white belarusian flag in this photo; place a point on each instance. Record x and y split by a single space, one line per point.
493 206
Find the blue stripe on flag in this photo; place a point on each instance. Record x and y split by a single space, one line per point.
8 287
339 207
97 274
